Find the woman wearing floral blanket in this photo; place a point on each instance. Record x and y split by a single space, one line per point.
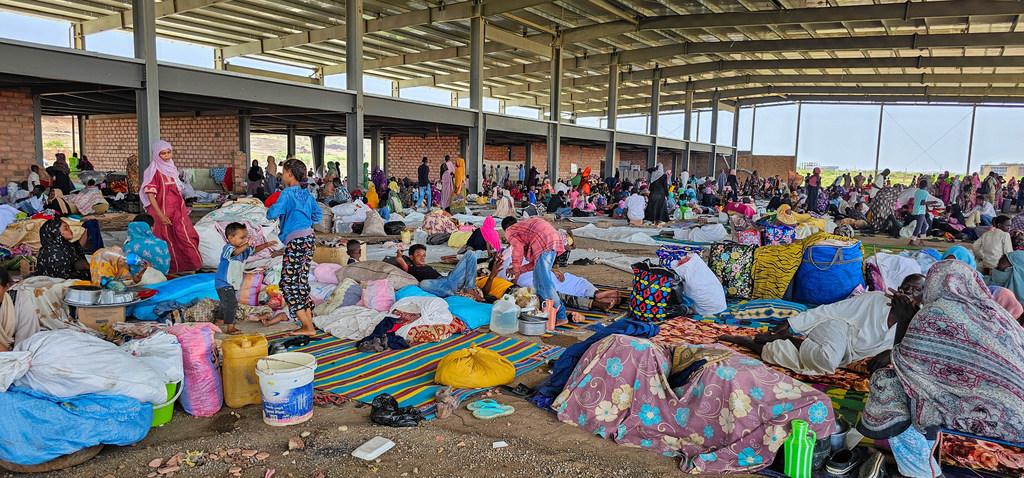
729 414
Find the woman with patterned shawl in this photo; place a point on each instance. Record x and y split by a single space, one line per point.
958 364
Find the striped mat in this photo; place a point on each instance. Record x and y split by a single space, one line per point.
408 375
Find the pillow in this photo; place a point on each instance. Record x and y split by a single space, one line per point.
379 295
474 314
338 297
376 270
777 310
326 273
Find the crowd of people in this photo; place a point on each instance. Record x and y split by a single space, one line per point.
908 333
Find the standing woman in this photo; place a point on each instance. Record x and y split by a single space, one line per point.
161 197
298 211
270 182
447 183
255 178
813 189
657 211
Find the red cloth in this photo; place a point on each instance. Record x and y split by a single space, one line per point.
229 180
272 199
529 239
181 236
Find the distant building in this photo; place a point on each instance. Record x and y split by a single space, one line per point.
1009 170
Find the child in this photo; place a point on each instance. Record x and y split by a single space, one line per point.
355 252
230 272
298 211
33 203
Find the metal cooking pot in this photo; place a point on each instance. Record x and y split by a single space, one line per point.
82 294
532 325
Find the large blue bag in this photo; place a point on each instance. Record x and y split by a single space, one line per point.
181 290
38 428
828 274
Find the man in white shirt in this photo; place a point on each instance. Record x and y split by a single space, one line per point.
834 335
636 203
983 213
34 202
33 177
993 244
879 183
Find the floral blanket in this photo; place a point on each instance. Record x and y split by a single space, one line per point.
733 416
688 331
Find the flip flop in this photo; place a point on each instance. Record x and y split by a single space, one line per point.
492 410
480 404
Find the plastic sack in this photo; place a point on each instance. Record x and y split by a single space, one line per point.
66 363
385 411
379 295
373 225
36 426
162 352
203 393
394 228
12 366
474 367
183 290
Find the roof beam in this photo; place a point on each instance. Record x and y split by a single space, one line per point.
516 41
443 13
123 19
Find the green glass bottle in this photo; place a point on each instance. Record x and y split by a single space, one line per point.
799 450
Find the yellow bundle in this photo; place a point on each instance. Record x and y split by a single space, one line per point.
481 200
474 367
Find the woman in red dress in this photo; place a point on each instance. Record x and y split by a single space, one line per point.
161 196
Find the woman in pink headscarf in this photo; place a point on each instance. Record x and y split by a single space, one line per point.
161 197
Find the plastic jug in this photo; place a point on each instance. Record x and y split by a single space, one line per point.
799 450
505 316
241 352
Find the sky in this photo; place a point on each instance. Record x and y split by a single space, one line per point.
914 137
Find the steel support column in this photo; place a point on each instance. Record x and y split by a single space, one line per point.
753 127
387 150
716 99
735 136
81 133
611 148
319 144
290 142
796 148
878 143
375 149
652 125
528 162
478 132
555 107
687 124
147 98
37 128
970 142
243 134
354 82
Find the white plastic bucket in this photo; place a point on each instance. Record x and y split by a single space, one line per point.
286 386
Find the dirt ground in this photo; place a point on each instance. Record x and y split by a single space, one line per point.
460 446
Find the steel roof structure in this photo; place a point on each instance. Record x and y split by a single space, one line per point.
608 57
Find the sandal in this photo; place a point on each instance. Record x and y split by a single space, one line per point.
489 409
325 398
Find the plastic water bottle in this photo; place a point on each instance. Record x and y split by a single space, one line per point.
505 316
133 259
799 450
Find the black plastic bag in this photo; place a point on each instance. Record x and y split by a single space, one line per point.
394 228
385 411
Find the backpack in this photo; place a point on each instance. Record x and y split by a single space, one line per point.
984 189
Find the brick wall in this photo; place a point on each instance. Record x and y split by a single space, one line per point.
766 165
199 142
405 154
17 133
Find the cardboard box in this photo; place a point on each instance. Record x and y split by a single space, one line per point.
100 318
334 255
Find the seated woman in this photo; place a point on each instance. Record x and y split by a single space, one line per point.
574 291
835 335
13 329
958 364
59 257
730 414
143 243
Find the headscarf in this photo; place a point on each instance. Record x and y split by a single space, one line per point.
61 163
460 175
490 235
158 165
57 256
961 254
379 180
84 164
145 244
657 173
960 365
255 172
271 167
371 196
1013 277
1007 300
